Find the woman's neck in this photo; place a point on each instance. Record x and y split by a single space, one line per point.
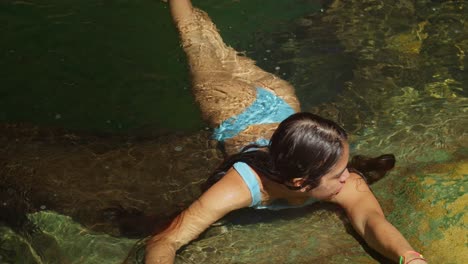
275 190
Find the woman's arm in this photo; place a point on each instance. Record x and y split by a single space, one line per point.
368 220
229 194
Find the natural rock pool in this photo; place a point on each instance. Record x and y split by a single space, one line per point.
97 122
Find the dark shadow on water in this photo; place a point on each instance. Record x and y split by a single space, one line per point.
249 216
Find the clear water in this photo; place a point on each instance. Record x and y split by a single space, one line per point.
392 73
115 66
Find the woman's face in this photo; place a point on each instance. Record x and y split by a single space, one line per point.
332 183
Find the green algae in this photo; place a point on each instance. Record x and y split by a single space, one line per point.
445 188
78 244
436 156
15 249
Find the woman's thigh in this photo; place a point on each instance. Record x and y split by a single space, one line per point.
224 83
220 98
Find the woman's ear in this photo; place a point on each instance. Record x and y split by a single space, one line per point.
297 182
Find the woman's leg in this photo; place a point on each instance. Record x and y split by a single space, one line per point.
180 9
223 82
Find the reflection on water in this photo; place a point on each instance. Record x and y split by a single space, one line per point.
400 70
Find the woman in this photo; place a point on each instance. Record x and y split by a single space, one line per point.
299 161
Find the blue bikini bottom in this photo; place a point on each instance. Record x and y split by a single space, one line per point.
266 109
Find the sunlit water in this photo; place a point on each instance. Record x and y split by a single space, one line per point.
392 73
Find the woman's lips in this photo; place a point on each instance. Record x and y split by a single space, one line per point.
337 192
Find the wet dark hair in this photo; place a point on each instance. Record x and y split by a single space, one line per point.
304 146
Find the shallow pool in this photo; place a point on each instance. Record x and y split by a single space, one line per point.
97 123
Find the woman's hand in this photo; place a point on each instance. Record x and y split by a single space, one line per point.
413 257
416 261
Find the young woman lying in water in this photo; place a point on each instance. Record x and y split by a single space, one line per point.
297 158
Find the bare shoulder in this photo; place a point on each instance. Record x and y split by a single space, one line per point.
354 185
229 193
355 193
